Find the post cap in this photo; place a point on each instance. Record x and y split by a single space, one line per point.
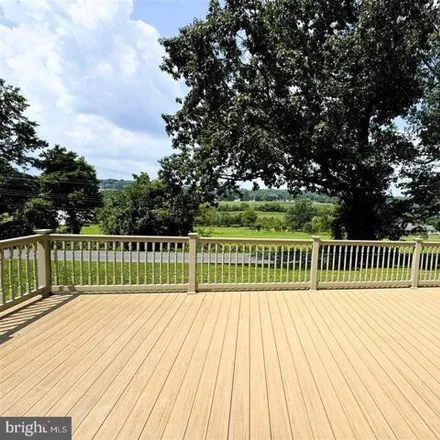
316 237
418 238
193 234
43 231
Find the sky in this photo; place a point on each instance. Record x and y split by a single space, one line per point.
90 72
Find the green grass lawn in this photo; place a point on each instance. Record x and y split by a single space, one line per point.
18 279
231 232
255 205
260 213
250 233
94 229
132 273
226 232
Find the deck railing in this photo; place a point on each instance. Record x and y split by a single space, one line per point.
45 262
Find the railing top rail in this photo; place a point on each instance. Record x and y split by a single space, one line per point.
368 243
220 240
119 238
431 243
19 240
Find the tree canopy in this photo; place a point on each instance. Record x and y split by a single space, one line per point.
67 183
148 207
18 135
70 183
307 94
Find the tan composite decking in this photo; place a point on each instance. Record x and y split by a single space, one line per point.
347 364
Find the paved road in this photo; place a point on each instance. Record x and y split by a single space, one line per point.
150 257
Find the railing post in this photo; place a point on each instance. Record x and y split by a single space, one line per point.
314 264
192 281
44 262
415 269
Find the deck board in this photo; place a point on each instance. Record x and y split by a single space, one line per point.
353 364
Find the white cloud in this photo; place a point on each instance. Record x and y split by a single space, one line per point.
92 77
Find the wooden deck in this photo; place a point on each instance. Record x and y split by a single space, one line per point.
307 365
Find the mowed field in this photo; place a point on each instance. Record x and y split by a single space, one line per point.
230 232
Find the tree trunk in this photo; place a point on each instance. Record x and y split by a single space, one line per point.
360 217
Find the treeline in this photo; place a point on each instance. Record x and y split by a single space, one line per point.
65 192
272 195
303 215
265 207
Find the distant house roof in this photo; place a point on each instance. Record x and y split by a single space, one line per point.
427 228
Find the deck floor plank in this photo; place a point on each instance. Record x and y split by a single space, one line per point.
348 364
390 379
73 367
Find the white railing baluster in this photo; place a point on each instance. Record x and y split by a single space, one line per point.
122 262
229 263
269 262
223 263
106 263
388 249
98 263
243 256
321 266
202 262
215 262
55 261
236 263
256 264
175 263
356 260
10 274
327 266
81 263
35 265
138 251
168 262
130 262
114 263
350 262
89 246
295 272
160 262
146 262
209 263
361 268
431 266
2 279
19 274
183 261
153 274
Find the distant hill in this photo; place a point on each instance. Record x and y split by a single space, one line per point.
112 184
245 195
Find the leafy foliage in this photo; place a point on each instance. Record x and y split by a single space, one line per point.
148 207
305 94
18 135
67 183
300 215
71 185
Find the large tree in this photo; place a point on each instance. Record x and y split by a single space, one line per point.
422 172
70 184
18 135
304 93
19 213
149 207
